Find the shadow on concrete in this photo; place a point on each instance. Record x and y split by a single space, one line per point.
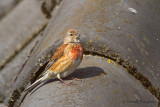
81 73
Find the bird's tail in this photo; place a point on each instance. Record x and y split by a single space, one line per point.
36 83
31 87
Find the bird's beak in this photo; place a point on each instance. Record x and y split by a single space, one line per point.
78 35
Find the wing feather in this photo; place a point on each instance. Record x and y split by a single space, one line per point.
56 56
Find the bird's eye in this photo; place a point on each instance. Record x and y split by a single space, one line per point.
71 34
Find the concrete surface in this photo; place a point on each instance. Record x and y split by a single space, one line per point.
19 27
111 27
2 105
11 69
6 6
104 84
126 31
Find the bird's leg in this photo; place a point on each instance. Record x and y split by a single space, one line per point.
75 79
58 76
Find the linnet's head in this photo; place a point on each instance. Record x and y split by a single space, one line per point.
72 36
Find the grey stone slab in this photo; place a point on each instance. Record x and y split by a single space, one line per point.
19 27
11 69
6 6
34 64
2 105
36 60
104 84
48 6
105 30
126 31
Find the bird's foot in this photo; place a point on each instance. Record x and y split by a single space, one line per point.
68 84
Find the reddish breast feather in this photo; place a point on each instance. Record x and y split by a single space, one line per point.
76 51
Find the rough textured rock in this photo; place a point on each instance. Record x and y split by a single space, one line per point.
19 27
2 105
6 6
121 30
104 83
11 69
48 6
125 31
133 36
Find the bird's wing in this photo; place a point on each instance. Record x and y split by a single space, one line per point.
56 56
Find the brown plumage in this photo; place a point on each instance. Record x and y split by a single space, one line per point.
64 61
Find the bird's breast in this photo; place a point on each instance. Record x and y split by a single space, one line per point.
76 52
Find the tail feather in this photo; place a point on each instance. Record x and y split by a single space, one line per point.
36 83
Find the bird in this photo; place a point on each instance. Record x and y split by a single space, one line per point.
65 60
